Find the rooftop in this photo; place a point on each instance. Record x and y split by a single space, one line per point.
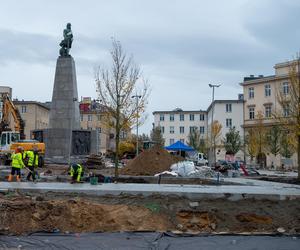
43 105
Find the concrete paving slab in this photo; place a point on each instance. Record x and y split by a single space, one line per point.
188 191
252 182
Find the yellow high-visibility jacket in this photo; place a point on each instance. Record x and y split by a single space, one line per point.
33 159
17 160
76 169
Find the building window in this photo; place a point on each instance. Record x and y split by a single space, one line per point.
99 117
171 129
162 129
192 129
201 130
181 117
161 117
268 111
286 110
171 117
192 117
251 113
251 92
201 117
181 130
285 88
228 108
23 109
171 141
228 123
182 140
267 90
90 118
99 130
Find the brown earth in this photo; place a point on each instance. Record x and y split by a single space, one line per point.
150 162
26 213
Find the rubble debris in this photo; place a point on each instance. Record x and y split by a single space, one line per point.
197 220
188 169
150 162
95 161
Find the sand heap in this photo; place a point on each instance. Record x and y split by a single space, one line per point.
151 162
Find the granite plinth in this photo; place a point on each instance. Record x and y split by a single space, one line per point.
64 112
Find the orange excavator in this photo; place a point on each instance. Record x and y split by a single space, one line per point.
10 140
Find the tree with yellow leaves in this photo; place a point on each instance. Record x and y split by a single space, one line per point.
215 137
116 87
289 100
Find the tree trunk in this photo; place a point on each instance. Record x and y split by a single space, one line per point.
117 141
298 156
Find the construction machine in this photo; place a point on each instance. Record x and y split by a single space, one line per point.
10 140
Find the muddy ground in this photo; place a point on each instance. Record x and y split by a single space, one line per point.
26 213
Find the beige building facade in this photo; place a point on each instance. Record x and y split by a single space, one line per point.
34 114
261 96
92 117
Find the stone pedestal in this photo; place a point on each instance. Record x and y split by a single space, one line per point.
64 112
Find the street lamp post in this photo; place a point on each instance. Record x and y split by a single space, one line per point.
212 150
137 122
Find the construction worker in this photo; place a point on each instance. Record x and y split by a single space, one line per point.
17 164
32 163
76 171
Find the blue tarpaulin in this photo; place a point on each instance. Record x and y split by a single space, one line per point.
179 146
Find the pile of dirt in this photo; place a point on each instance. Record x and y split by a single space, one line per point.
151 162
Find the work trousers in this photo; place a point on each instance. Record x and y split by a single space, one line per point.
32 173
15 171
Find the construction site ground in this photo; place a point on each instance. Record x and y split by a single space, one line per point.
249 207
139 202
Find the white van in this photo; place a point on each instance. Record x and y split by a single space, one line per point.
198 158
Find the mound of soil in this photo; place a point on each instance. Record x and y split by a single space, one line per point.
151 162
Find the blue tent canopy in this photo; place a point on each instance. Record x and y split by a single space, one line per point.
179 146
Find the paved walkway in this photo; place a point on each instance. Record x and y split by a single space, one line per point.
274 192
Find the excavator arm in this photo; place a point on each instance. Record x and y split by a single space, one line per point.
10 108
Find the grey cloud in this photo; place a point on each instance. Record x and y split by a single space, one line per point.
26 47
276 26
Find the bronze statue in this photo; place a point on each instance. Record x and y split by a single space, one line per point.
66 44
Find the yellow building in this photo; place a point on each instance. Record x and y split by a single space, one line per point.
261 96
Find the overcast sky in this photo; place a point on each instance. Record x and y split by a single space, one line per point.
181 46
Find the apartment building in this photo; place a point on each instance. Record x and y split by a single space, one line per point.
229 113
92 117
261 96
35 115
177 124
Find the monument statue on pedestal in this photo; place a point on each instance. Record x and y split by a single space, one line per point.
66 43
64 139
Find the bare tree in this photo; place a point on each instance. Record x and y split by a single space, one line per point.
115 87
